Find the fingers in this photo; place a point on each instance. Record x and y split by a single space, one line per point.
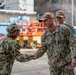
48 62
35 56
73 63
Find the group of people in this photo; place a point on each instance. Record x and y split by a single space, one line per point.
58 41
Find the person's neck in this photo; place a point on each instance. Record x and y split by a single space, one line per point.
53 26
62 22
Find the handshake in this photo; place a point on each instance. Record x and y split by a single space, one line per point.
29 57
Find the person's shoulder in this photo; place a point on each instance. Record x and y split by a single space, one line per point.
10 40
70 26
45 33
2 39
62 26
67 24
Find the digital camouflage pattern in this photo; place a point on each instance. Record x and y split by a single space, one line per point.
9 51
60 46
13 27
70 26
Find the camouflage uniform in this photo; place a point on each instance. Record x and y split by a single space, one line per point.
9 51
61 14
71 27
61 49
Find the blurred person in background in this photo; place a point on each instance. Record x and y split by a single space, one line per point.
60 19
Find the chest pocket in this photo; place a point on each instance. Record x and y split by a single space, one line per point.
48 40
60 36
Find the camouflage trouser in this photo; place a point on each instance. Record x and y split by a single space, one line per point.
66 70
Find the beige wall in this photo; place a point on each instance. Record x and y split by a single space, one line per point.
4 17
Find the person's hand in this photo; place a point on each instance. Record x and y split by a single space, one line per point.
73 63
48 62
35 56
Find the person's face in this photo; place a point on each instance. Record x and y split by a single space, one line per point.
48 22
17 33
60 20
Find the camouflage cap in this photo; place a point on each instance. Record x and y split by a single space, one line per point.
13 27
60 13
47 15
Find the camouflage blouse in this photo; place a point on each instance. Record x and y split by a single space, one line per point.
59 44
9 51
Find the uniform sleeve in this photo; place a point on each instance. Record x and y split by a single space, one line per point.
72 42
21 57
72 39
43 47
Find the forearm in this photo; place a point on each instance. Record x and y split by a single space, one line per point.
39 52
73 50
24 58
42 49
72 43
